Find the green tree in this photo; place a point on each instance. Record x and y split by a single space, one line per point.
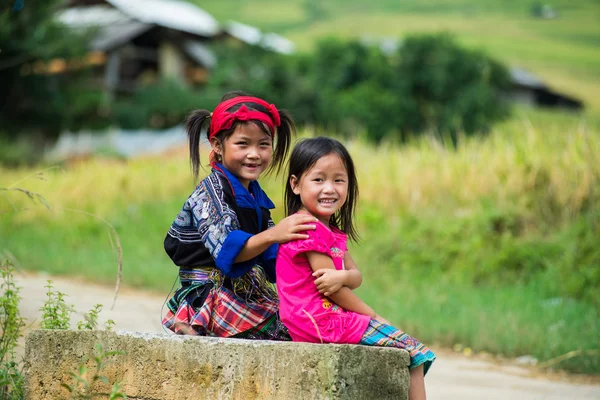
430 84
42 74
280 79
449 89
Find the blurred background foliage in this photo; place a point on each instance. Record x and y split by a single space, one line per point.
429 84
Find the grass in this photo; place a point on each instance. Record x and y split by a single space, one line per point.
563 51
492 245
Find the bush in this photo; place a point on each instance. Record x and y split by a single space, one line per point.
160 105
44 82
449 89
430 85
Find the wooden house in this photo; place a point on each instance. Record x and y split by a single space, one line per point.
139 41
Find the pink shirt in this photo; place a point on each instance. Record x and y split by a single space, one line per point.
299 299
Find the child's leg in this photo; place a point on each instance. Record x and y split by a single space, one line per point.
417 384
421 358
384 335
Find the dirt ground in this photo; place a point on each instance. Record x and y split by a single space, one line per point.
452 376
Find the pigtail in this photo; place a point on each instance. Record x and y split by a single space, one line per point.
193 125
283 138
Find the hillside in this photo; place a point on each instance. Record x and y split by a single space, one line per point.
563 50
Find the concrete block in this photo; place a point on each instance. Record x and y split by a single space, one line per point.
169 367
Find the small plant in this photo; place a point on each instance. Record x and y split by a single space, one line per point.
11 323
90 320
109 325
56 314
81 387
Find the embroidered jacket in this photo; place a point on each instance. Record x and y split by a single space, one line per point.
215 223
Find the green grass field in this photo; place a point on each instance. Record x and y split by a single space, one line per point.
564 51
493 246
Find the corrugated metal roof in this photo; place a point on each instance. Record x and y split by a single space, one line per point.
114 27
200 53
172 14
252 35
525 78
273 41
85 17
113 36
245 33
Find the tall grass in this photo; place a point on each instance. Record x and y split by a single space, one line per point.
493 244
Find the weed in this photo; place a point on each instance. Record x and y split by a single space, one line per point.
56 314
109 325
90 319
11 323
81 387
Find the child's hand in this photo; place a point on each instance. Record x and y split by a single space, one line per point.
290 228
328 280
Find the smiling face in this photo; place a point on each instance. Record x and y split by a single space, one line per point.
246 153
323 189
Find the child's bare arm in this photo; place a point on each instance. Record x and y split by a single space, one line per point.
290 228
344 297
330 281
353 275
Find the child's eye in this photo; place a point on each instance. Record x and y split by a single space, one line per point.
340 180
241 143
317 180
266 144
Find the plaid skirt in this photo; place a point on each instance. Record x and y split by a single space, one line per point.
208 304
379 334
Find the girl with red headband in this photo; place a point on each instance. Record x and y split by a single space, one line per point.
224 240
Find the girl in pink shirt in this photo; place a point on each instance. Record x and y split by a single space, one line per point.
316 276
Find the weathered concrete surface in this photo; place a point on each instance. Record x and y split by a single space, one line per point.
169 367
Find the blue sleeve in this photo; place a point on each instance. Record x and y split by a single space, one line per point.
231 247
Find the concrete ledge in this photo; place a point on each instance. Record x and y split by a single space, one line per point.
157 366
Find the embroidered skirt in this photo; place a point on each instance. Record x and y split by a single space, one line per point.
210 305
379 334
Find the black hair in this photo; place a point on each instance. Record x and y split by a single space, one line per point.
304 156
197 119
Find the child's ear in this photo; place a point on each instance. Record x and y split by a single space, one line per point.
216 145
294 184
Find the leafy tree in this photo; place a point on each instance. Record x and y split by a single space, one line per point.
430 84
449 89
42 73
282 80
350 82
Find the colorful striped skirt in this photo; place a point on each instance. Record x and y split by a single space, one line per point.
208 304
380 334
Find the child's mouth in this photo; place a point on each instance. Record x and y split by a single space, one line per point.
327 201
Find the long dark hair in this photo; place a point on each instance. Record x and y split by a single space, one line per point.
197 120
304 156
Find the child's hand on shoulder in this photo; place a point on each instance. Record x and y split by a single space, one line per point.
291 228
329 280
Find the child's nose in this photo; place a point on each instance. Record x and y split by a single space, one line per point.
253 153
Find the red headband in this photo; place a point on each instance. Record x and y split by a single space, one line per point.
222 119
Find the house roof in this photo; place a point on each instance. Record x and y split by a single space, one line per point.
114 27
172 14
275 42
201 53
252 35
525 78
